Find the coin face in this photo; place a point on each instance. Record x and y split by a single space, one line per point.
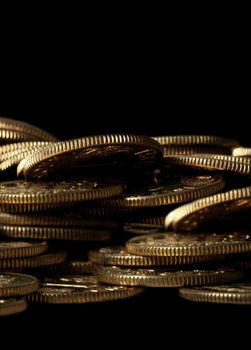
190 216
231 164
174 189
19 249
236 293
20 194
12 306
178 244
90 151
163 277
12 284
79 289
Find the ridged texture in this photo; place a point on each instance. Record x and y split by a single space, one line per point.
215 296
176 245
236 165
163 278
212 185
57 233
21 249
190 216
13 284
36 166
30 131
12 306
33 262
186 150
13 158
120 257
206 140
242 152
12 149
74 267
39 193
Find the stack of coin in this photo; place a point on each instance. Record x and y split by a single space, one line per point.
83 199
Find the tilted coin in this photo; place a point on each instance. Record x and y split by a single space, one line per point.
206 140
164 277
142 229
30 131
78 290
56 233
13 158
186 150
190 216
12 284
12 306
242 152
11 149
237 293
174 189
237 165
190 244
65 219
119 256
90 150
33 262
19 249
31 196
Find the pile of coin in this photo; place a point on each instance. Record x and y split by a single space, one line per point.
69 211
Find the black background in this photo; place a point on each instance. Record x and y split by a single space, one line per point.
189 83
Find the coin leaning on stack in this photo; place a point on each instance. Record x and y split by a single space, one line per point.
68 210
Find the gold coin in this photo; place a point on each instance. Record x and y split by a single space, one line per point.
142 229
30 131
90 150
241 152
33 262
205 140
72 267
237 293
19 249
12 149
189 244
66 219
13 158
12 284
12 306
31 196
56 233
78 290
190 216
164 277
186 150
94 210
174 189
121 257
231 164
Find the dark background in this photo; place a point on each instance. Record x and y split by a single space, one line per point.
172 81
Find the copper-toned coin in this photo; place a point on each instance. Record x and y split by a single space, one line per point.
90 150
12 284
78 290
33 262
190 216
237 293
19 249
12 306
